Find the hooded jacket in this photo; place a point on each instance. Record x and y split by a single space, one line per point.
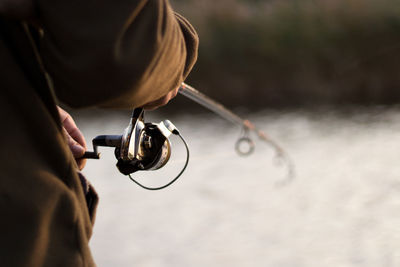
115 54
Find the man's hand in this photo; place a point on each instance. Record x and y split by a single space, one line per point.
161 101
76 140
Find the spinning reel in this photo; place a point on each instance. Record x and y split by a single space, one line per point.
142 147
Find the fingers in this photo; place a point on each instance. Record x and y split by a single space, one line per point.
77 150
81 163
75 139
161 101
77 135
71 128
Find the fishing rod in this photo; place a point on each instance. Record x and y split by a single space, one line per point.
145 146
244 141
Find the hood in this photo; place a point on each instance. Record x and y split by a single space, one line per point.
17 9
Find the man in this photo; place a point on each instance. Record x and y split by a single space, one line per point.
116 54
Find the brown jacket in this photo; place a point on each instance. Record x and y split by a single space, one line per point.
119 54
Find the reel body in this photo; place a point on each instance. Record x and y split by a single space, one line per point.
143 146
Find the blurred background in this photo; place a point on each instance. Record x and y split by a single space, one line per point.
321 77
296 53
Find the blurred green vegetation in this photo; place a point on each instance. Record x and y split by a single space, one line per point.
290 53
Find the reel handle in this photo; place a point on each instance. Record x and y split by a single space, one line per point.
102 140
91 155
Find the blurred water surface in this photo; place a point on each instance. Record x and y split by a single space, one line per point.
342 209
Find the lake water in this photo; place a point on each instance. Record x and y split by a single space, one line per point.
342 208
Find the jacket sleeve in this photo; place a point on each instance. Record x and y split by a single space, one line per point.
119 54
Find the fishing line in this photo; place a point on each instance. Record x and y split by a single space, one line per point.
173 180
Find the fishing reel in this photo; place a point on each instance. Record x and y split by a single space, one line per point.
142 147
